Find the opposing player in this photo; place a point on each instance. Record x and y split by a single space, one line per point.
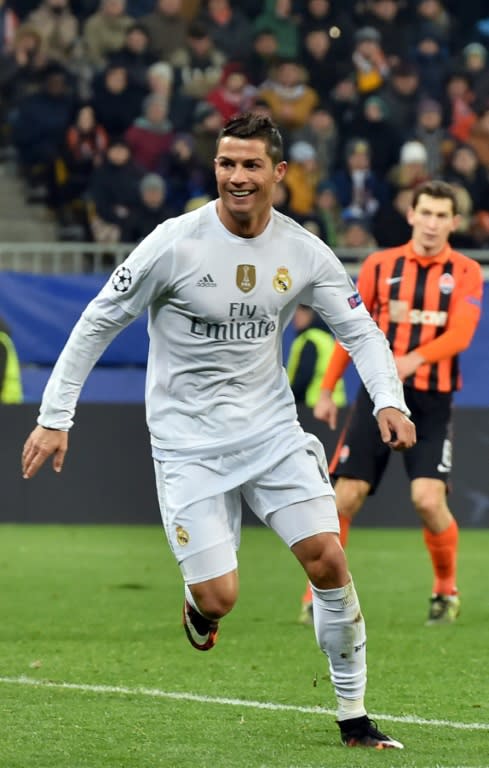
219 283
426 297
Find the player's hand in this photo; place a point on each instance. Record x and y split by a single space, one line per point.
326 410
396 429
39 446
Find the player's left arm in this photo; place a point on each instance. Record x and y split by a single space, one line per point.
464 315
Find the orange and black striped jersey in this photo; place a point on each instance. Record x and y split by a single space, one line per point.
430 304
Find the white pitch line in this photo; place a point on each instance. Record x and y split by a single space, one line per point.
184 696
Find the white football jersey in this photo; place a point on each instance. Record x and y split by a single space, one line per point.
217 306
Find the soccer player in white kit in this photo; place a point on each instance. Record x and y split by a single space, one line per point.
219 284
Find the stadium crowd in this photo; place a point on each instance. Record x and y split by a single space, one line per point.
113 108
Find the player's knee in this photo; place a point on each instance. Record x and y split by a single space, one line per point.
428 498
324 561
350 495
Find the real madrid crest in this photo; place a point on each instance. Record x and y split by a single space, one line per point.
245 277
282 282
183 537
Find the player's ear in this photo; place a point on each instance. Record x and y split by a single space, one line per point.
280 171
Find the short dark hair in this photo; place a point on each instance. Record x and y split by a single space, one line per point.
440 190
252 126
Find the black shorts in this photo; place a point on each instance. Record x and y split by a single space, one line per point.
362 455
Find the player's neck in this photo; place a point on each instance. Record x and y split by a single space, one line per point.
247 227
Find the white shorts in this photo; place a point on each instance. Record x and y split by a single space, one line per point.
200 499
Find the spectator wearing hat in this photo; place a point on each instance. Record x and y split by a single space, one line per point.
151 134
430 131
434 15
369 60
373 125
290 98
386 17
359 190
475 66
303 176
432 59
166 28
150 210
412 168
206 123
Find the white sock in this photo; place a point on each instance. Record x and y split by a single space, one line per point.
340 633
190 598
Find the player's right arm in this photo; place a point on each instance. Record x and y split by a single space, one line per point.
326 409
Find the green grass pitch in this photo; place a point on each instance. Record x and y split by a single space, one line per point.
96 672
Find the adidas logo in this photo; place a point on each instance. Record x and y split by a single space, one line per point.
206 282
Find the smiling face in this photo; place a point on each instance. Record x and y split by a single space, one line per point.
246 178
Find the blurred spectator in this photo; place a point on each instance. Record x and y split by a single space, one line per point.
335 20
277 17
134 55
9 22
234 93
302 178
356 234
308 358
229 28
113 195
429 130
206 124
183 173
385 17
345 102
321 131
465 169
373 124
460 105
412 168
22 71
150 210
10 374
198 68
262 56
84 149
288 95
328 211
401 96
369 61
116 101
322 62
166 27
151 134
358 189
39 127
105 31
431 58
478 137
58 28
433 14
281 199
389 224
475 66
